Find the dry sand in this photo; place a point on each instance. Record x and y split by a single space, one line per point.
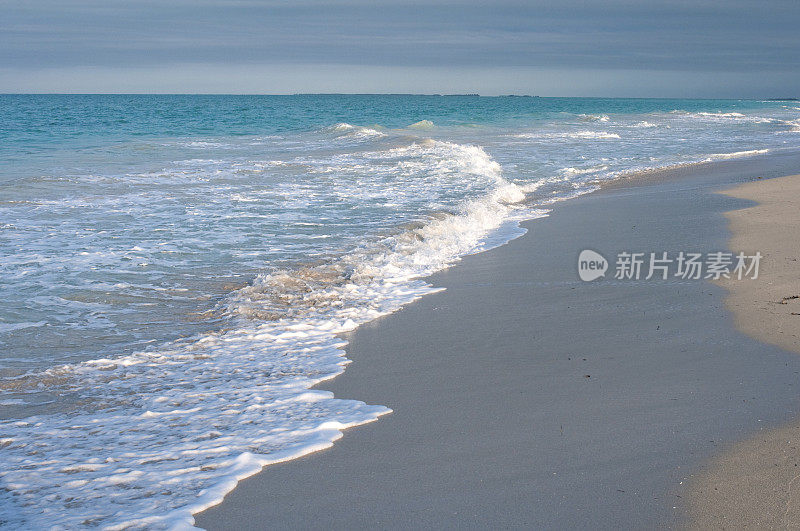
773 228
756 483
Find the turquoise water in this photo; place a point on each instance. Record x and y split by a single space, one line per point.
176 268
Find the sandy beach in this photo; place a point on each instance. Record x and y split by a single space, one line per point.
523 397
754 483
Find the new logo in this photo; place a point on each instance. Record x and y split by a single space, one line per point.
591 265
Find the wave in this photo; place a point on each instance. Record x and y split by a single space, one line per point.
595 135
583 171
10 327
705 114
719 114
345 130
793 126
422 124
577 135
594 117
416 251
735 155
723 117
180 426
700 159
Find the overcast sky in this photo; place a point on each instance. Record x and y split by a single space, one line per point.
731 48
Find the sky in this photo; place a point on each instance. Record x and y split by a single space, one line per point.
647 48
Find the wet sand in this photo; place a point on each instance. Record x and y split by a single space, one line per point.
756 483
524 397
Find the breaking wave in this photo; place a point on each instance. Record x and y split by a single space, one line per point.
735 154
345 130
594 117
577 135
179 426
422 125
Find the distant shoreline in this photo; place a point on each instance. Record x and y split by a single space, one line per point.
470 95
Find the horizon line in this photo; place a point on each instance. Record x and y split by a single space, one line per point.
432 94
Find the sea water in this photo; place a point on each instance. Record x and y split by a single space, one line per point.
177 270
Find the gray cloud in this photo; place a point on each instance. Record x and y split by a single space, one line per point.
733 36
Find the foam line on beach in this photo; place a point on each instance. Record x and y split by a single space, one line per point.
183 424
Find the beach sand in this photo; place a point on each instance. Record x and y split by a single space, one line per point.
773 228
523 397
756 483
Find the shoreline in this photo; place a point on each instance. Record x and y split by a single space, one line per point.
753 483
245 505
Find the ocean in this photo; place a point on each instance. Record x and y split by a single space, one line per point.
177 270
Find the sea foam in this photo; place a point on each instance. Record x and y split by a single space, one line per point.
179 426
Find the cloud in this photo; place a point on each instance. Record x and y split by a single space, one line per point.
657 35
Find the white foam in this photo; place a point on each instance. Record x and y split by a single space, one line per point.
794 126
594 135
9 327
577 135
719 114
173 430
594 117
658 165
735 154
583 171
345 130
723 117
